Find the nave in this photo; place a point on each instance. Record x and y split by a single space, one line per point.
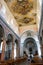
11 54
21 32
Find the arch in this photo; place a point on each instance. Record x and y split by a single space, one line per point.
28 33
2 36
10 37
31 46
29 40
1 32
31 31
9 43
34 36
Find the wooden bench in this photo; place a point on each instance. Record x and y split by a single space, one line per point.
36 64
38 60
16 61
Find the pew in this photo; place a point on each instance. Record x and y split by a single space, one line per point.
3 63
16 61
19 61
36 64
37 59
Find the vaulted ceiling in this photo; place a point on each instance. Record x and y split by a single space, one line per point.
24 11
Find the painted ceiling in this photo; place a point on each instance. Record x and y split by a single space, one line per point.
24 11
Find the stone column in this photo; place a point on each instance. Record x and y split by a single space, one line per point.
12 54
18 48
3 50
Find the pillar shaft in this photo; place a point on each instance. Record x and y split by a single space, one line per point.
18 48
12 54
3 50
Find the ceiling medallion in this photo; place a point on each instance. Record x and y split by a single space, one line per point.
26 21
23 6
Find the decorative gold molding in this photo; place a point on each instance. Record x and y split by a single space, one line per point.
22 9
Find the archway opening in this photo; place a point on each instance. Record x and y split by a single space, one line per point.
30 47
30 34
1 39
9 47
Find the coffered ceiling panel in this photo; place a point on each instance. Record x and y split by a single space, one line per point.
24 11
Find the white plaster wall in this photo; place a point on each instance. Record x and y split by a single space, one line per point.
39 8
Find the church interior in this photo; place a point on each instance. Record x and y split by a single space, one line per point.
21 32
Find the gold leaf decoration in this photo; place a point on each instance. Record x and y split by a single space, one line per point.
23 6
23 11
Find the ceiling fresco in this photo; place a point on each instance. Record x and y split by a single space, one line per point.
24 11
